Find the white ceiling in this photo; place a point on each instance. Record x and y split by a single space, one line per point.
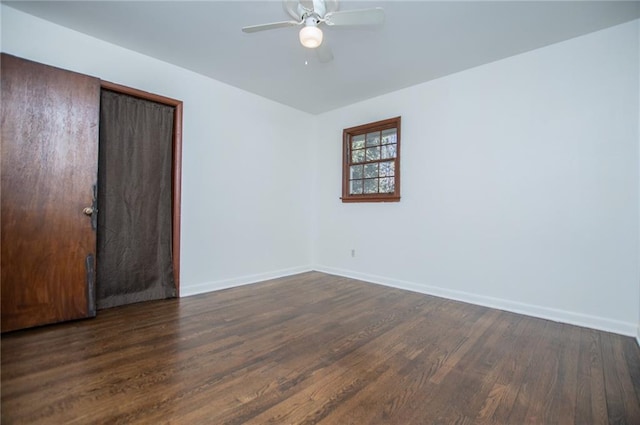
419 41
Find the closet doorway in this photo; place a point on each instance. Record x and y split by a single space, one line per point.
49 213
138 197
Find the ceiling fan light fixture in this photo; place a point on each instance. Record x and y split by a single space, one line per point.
311 36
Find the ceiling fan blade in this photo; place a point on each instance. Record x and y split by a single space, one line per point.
271 26
324 53
307 4
373 16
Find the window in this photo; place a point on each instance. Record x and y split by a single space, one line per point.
371 162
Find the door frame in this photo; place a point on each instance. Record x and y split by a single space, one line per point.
176 164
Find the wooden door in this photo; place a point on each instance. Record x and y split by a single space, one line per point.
49 169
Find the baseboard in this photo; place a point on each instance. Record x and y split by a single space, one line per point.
205 287
562 316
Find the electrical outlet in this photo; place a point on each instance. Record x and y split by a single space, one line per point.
353 252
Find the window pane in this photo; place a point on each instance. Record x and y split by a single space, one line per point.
387 169
355 187
357 156
371 186
357 142
373 154
389 136
387 185
389 151
373 139
370 170
356 172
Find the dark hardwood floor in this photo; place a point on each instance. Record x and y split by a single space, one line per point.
317 349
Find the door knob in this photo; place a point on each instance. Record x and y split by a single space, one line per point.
88 211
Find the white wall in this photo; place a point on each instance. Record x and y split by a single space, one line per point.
243 217
519 186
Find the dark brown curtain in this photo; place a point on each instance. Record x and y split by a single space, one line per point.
134 201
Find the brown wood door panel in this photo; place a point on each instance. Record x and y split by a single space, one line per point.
49 166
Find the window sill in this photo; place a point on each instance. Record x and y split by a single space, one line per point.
377 198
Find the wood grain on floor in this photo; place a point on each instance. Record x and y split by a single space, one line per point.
317 349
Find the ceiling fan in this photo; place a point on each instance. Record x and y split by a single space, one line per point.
310 14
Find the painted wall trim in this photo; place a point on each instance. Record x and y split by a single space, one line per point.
205 287
572 318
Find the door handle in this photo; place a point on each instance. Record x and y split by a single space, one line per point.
88 210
